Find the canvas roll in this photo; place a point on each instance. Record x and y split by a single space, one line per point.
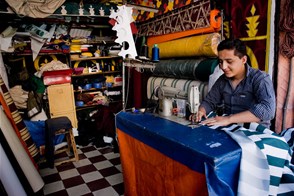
28 168
180 84
199 45
199 69
8 176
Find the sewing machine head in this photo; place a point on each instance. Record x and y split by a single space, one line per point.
166 95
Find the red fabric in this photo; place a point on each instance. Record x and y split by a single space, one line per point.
248 21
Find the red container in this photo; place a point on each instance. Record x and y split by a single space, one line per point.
57 76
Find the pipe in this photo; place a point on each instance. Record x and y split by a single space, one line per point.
285 107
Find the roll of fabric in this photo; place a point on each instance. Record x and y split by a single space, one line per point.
200 45
23 159
18 123
8 176
180 84
198 69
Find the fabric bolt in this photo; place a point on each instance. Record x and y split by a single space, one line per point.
199 45
199 69
265 167
19 123
9 177
30 172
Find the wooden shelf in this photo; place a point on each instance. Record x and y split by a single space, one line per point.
95 73
94 105
96 89
92 58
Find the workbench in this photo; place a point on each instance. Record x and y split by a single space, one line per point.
162 157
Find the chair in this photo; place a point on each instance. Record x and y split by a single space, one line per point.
53 127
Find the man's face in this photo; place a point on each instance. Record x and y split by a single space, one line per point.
231 64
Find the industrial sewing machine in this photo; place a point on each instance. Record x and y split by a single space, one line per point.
167 95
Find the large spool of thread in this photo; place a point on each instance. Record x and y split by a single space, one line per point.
200 45
198 69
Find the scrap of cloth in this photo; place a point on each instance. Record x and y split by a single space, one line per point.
266 167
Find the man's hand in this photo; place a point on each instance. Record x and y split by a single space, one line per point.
218 120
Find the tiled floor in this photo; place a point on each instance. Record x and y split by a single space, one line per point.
98 172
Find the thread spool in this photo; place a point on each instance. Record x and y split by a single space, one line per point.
165 107
144 51
155 53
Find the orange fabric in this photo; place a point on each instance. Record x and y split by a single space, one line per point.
149 172
9 116
215 25
168 37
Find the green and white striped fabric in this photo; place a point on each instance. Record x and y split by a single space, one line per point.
265 167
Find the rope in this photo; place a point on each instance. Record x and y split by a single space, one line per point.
287 25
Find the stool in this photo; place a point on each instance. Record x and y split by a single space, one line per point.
53 127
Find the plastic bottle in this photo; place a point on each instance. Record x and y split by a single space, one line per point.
155 53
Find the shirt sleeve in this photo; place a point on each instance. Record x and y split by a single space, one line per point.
265 105
213 97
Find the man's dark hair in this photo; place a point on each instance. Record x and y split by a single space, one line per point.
233 44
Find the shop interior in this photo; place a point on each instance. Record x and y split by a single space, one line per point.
96 98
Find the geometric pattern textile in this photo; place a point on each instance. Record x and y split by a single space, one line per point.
193 16
266 167
20 127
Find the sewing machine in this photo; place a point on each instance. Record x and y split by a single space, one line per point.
166 96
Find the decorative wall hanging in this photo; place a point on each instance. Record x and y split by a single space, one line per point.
195 15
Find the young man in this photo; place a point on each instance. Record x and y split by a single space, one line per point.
247 94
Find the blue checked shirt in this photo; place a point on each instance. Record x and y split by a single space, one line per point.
254 93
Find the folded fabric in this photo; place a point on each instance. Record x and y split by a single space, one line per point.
265 167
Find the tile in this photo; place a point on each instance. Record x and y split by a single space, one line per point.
68 173
106 191
88 149
51 178
53 187
74 181
65 166
106 150
92 154
98 172
111 155
88 177
78 190
82 156
82 162
48 171
109 171
119 188
115 161
97 159
98 184
103 165
59 193
115 179
119 167
86 169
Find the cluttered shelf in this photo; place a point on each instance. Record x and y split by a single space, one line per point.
95 73
95 105
95 89
78 58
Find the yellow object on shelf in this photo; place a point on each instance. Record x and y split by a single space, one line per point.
200 45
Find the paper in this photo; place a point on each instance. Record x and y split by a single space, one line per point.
36 45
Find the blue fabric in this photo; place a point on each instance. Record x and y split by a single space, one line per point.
37 131
196 148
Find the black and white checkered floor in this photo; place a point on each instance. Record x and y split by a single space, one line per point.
98 172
